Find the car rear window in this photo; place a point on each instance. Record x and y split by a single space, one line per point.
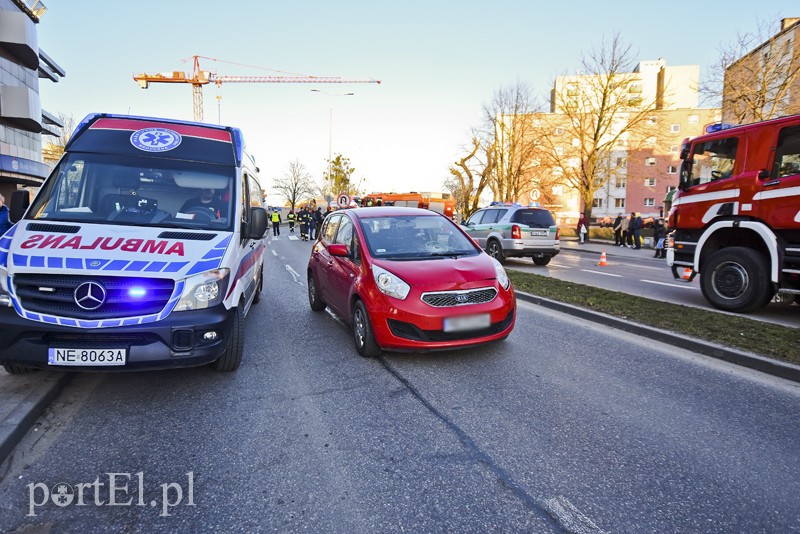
534 218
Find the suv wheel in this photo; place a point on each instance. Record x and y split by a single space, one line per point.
495 250
542 260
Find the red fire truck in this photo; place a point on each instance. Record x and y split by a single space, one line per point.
736 214
442 203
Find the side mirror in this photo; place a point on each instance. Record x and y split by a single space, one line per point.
764 174
338 249
258 223
20 200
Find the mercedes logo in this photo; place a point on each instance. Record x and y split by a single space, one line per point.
90 295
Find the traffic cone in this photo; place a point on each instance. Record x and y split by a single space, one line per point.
687 274
603 262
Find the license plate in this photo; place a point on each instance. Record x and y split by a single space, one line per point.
467 322
71 356
538 233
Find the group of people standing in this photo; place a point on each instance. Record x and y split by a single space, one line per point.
628 233
310 221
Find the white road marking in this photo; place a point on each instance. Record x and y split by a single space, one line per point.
294 238
569 517
685 286
604 274
295 274
274 253
651 268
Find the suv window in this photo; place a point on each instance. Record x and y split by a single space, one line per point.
533 218
476 218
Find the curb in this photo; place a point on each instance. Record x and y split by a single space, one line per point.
17 423
745 359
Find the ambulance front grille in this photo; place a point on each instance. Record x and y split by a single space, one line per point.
118 296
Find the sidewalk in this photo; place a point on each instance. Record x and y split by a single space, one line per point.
597 246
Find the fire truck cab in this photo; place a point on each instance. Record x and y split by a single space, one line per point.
736 214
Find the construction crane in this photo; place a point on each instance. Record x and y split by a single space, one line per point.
198 78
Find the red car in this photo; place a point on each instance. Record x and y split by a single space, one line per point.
408 279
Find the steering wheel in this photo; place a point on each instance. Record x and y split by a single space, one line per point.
206 215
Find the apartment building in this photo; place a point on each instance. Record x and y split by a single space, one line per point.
23 122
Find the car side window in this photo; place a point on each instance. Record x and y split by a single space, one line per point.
492 216
787 153
476 217
713 160
344 235
331 226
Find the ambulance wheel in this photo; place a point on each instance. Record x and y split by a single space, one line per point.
259 287
314 300
735 279
232 357
362 332
14 369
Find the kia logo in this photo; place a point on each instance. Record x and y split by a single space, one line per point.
461 298
90 295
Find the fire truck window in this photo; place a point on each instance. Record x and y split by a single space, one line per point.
713 160
787 153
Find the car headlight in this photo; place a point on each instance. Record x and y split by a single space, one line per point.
390 284
204 290
502 276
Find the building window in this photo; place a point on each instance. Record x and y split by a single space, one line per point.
576 142
652 140
560 150
652 120
671 188
635 88
559 131
650 162
674 128
672 169
597 203
619 202
649 202
621 182
574 162
649 182
620 162
572 90
694 119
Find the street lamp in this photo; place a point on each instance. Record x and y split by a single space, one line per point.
330 125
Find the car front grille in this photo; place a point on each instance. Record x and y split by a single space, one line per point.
55 294
412 332
443 299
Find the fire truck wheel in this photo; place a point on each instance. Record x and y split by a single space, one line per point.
735 279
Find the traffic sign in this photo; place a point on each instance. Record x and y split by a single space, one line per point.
343 200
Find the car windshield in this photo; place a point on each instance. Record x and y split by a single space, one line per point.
415 237
137 191
534 218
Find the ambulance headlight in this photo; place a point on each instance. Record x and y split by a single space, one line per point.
204 290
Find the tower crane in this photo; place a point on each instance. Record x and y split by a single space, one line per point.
198 78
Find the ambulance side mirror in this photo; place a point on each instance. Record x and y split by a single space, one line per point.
258 223
20 200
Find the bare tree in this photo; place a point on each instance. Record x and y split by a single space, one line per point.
600 117
295 184
755 76
471 174
516 141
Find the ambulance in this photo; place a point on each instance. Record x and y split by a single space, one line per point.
144 249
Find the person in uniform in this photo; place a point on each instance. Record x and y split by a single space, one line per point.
304 217
276 222
291 218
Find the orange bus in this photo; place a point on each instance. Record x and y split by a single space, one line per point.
443 203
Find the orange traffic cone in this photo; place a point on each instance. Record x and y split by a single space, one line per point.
603 262
687 273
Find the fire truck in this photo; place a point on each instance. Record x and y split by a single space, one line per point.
736 214
443 203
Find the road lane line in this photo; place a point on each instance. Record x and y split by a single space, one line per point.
604 274
274 253
685 286
295 274
570 518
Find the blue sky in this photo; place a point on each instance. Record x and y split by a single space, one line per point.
439 63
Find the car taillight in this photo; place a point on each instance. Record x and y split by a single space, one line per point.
516 233
558 233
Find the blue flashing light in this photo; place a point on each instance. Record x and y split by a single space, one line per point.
137 292
717 127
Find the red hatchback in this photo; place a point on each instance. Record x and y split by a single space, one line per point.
408 279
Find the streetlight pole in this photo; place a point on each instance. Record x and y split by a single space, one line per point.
330 129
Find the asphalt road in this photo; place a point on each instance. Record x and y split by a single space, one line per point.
565 426
641 275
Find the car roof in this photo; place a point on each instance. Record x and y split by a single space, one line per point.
391 211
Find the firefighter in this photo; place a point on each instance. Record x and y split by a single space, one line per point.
291 218
304 217
276 222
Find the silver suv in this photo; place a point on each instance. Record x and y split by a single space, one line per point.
510 230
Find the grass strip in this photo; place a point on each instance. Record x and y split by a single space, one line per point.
735 331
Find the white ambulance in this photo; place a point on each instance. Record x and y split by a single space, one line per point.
144 249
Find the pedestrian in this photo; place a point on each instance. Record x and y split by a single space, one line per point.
659 235
304 219
5 222
618 230
626 232
328 210
276 222
636 223
312 224
581 229
319 218
291 218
